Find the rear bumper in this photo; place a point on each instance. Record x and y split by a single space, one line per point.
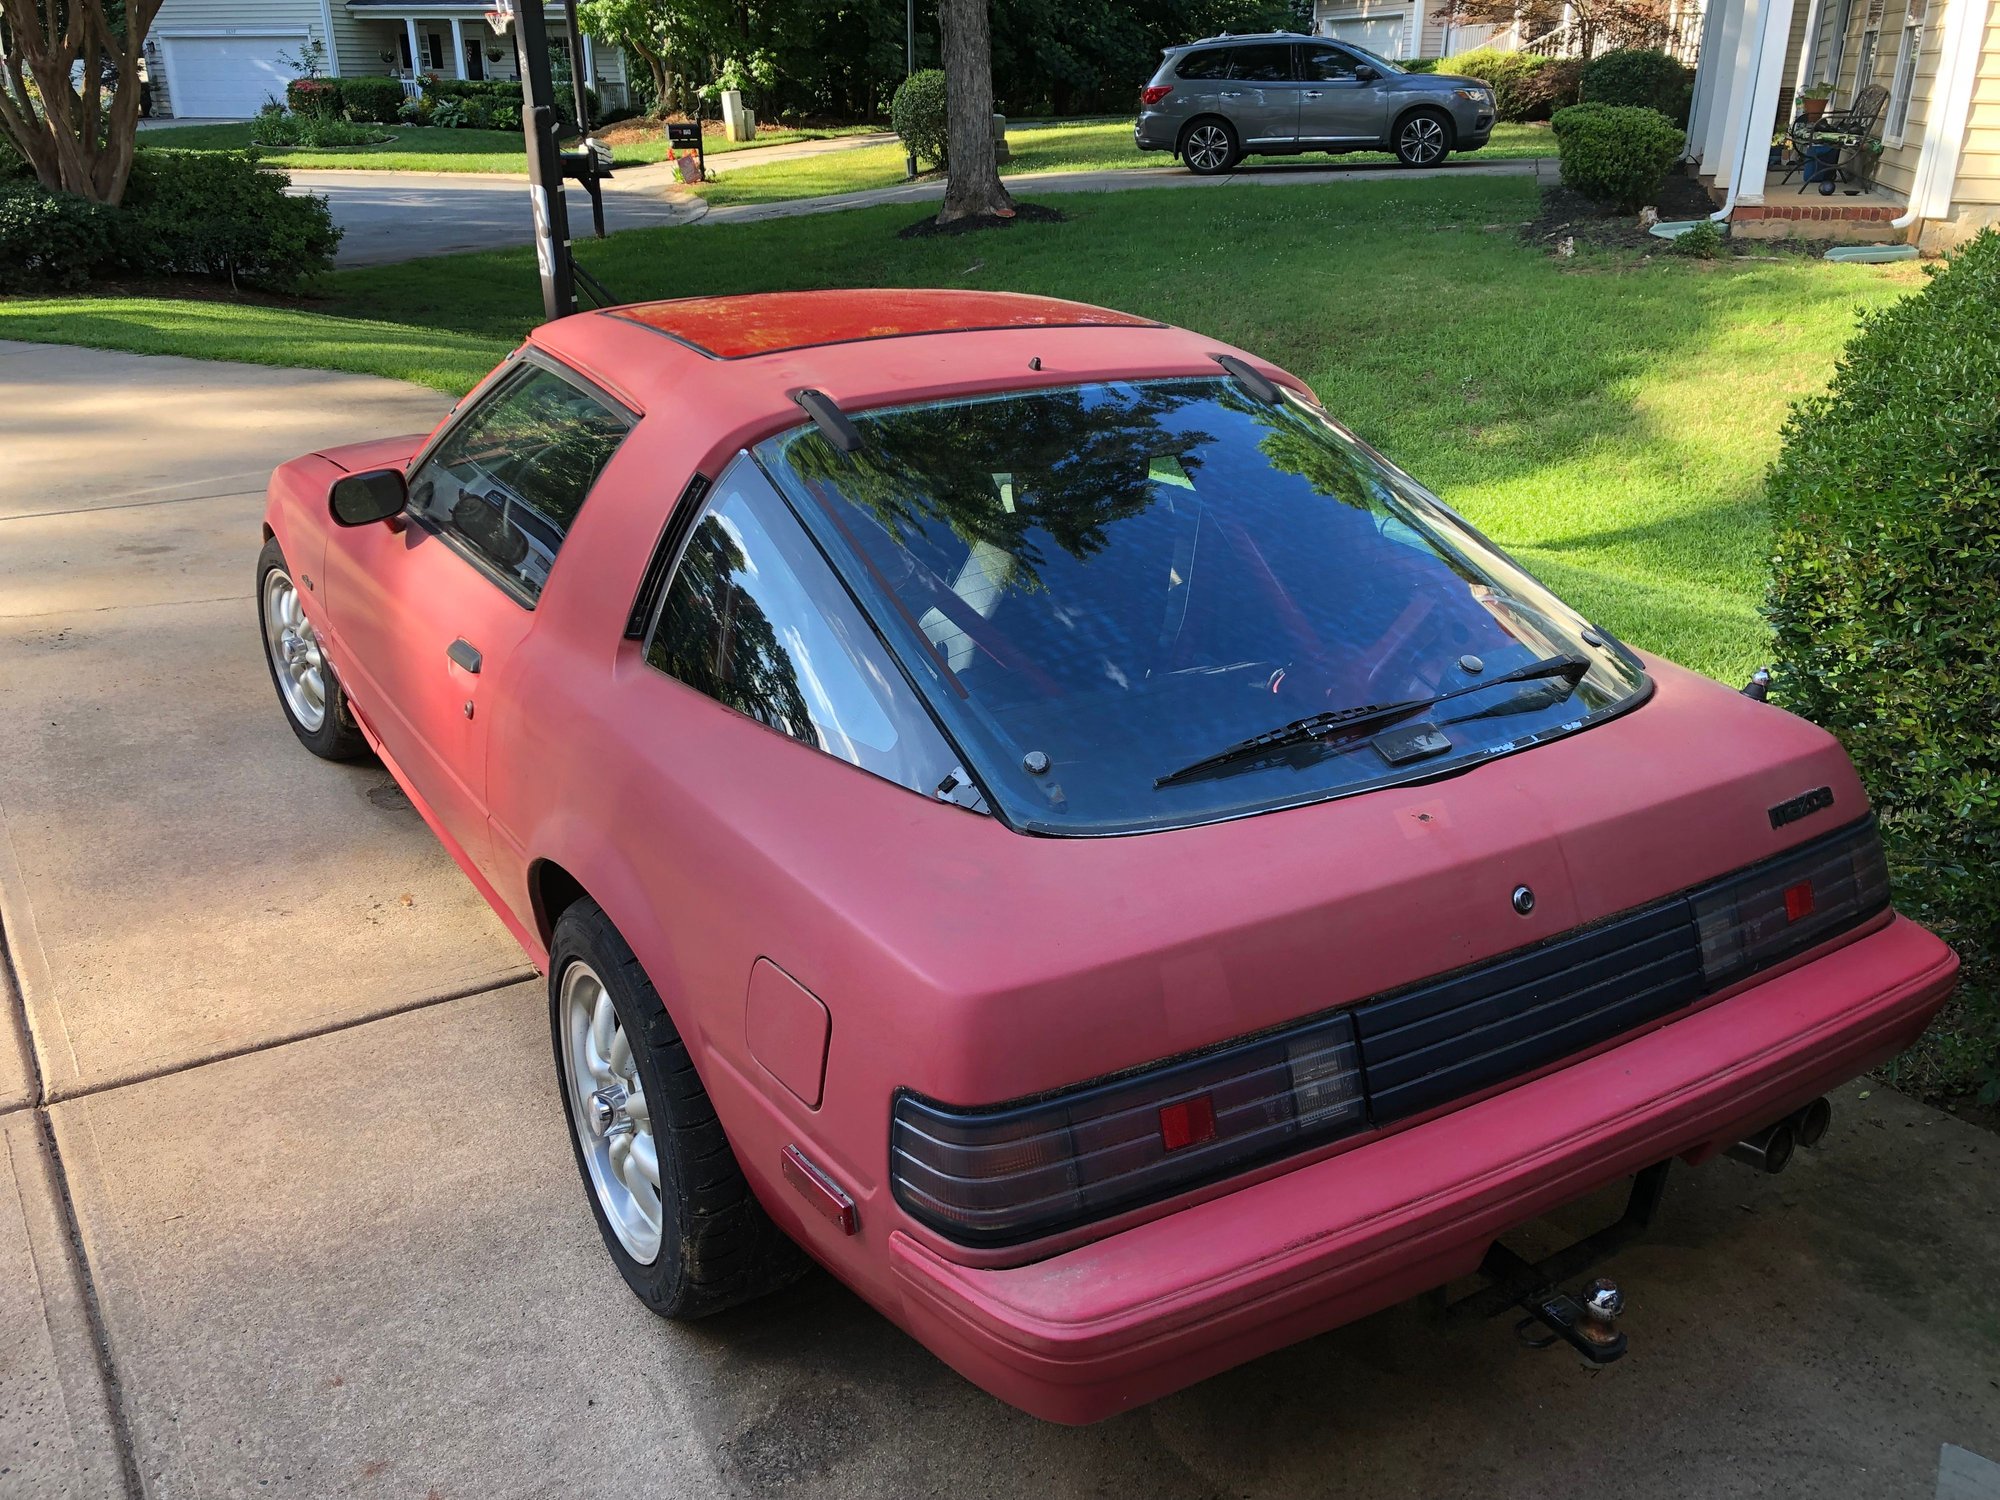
1129 1318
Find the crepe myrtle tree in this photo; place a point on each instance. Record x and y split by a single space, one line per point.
972 176
76 136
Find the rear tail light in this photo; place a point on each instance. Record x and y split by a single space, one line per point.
1789 904
1153 93
1000 1176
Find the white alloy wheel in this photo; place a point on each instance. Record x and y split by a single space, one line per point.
609 1113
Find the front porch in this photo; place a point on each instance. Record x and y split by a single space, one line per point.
413 42
1780 210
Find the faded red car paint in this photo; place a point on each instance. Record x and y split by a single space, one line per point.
976 965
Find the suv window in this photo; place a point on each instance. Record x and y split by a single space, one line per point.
1213 62
1326 65
507 481
1261 64
756 619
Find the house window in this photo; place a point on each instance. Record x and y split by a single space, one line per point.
1903 84
1864 66
434 44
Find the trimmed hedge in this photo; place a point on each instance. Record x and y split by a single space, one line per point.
1639 76
217 213
315 98
54 240
1885 600
1525 87
1616 155
372 101
917 114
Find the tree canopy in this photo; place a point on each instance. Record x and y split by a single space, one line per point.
69 89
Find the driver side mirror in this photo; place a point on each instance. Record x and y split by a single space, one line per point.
1367 74
373 495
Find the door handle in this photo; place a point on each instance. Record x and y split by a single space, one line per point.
465 654
1230 94
1313 93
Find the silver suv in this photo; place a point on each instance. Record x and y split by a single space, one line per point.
1216 101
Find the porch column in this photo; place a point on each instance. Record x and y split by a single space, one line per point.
589 71
1708 63
1730 61
1760 100
458 47
416 46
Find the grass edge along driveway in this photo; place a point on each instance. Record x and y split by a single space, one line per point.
1608 419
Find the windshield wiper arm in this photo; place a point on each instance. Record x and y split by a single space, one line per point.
1348 723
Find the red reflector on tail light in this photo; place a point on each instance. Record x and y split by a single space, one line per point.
1798 901
1153 93
1187 1123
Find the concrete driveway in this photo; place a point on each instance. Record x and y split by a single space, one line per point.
288 1209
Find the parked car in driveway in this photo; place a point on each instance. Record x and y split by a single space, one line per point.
1018 801
1216 101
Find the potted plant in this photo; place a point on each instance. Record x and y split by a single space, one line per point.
1812 100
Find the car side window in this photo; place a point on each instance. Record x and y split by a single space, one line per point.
1210 63
507 481
1327 65
1261 64
755 618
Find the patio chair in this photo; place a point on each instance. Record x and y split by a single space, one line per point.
1827 151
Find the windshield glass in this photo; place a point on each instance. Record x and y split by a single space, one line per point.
1102 584
1381 62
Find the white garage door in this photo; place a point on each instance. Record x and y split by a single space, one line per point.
1381 35
225 77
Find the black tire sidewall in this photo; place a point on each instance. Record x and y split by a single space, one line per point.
337 737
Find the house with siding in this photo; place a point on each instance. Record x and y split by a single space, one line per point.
1936 179
1404 29
222 59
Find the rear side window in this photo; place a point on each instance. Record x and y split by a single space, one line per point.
756 619
507 482
1261 64
1213 63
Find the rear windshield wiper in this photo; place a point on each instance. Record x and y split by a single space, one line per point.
1348 724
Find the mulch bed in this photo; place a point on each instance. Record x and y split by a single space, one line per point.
1024 213
1566 213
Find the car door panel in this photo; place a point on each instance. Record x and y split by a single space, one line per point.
430 607
1261 97
1336 106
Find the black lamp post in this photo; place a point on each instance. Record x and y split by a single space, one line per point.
910 65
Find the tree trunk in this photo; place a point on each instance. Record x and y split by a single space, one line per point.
972 177
67 137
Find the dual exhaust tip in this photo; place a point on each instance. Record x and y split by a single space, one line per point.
1770 1149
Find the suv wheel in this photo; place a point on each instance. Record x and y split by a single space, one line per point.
1422 139
1209 147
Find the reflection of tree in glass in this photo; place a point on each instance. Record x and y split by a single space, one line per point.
1293 448
1077 461
714 636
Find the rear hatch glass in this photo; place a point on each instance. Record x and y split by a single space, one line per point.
1102 587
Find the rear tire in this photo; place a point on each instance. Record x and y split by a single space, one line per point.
689 1237
1423 138
1209 146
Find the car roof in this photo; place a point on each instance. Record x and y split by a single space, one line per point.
776 322
1249 36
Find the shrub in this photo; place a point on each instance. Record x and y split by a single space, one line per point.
372 101
1420 65
1551 87
315 98
1639 76
13 165
917 114
1885 599
1704 241
1512 76
53 240
217 213
1615 154
274 129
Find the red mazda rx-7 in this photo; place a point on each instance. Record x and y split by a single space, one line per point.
1018 801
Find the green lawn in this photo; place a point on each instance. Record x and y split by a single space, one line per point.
1607 419
1065 146
430 148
